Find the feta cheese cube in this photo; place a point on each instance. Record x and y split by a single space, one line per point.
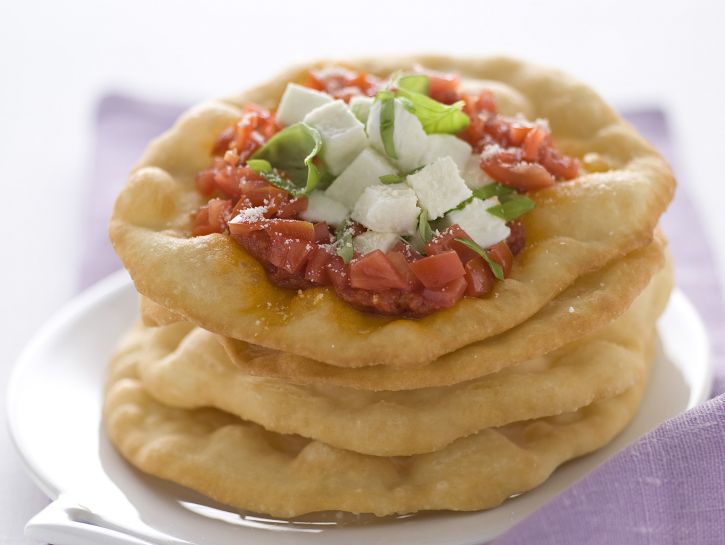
360 107
297 101
363 172
439 187
483 227
409 138
371 240
473 174
388 209
447 145
343 136
320 207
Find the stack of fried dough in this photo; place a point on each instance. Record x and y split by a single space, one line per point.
289 402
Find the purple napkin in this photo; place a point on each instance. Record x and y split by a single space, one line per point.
667 488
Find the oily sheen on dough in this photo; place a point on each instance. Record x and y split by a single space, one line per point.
186 367
243 465
577 227
595 299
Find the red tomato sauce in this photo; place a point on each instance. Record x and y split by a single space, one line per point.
298 254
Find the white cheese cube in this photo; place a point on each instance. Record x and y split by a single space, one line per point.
473 174
360 107
387 209
297 101
483 227
409 138
447 145
321 207
343 136
439 187
363 172
371 240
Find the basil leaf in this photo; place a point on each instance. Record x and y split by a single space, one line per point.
424 230
277 181
343 245
512 208
435 116
387 123
417 83
494 190
496 268
259 165
293 150
391 178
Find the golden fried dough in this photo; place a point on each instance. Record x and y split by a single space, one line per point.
596 299
242 464
188 368
577 227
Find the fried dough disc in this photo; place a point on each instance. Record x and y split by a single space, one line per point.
243 465
186 367
589 304
577 227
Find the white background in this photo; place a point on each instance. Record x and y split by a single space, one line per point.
56 58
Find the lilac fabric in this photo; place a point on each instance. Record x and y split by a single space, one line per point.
667 488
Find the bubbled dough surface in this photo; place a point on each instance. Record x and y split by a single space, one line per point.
243 465
185 366
576 228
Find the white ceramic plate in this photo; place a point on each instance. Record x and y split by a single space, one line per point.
54 406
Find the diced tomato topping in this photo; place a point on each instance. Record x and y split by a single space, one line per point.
479 278
303 230
289 254
446 241
398 259
501 254
316 269
517 239
211 218
506 167
561 166
338 273
375 272
444 87
343 83
435 271
322 233
531 144
479 109
448 295
244 228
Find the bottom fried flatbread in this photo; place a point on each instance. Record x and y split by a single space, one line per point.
243 465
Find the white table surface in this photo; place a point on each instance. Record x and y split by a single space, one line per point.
56 58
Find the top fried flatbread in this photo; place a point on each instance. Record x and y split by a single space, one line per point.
576 227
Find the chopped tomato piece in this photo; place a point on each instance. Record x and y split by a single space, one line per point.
375 272
398 260
222 143
322 233
501 254
343 83
289 254
338 273
303 230
479 278
243 228
316 269
531 145
561 166
211 218
507 168
517 239
446 241
518 131
448 295
443 87
436 271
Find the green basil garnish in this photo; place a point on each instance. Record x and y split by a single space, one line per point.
417 83
494 190
435 116
293 150
259 165
387 122
512 208
496 268
391 179
343 242
277 181
424 230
